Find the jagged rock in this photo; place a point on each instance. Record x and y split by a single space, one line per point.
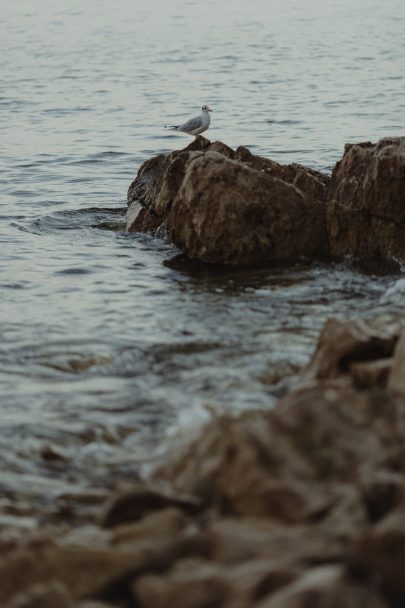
325 587
366 374
382 550
366 200
397 376
84 571
301 462
133 503
343 344
231 207
191 584
51 594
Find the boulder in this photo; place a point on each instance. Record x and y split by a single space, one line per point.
325 586
231 207
396 379
366 200
358 348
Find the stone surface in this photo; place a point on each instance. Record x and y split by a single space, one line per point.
231 207
366 200
226 206
132 504
301 506
325 587
397 376
342 344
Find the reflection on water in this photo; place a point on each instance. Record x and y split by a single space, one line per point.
109 339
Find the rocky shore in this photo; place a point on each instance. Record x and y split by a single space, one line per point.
224 206
302 506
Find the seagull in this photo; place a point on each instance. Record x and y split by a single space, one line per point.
196 125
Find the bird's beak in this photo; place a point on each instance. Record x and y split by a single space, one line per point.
209 110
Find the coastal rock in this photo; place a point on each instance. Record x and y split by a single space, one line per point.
295 507
231 207
397 376
366 200
325 586
359 348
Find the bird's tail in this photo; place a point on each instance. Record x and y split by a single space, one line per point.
171 127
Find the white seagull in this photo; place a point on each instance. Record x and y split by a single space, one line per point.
196 125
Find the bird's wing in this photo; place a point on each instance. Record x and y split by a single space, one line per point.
190 125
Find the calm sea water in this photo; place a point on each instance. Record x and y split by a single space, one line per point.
106 344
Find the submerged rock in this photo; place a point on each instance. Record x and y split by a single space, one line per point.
366 200
223 206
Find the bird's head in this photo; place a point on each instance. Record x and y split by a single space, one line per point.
206 109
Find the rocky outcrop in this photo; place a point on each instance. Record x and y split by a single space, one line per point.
366 200
302 505
221 205
225 206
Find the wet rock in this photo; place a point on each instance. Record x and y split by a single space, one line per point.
383 551
342 344
52 452
132 504
366 200
51 594
397 375
325 587
231 207
157 528
84 571
191 584
371 373
228 213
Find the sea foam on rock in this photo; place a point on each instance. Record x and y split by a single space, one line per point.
225 206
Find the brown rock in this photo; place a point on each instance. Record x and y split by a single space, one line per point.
325 587
84 571
397 377
226 212
366 200
156 528
191 584
383 551
132 504
343 343
371 373
51 594
285 548
231 207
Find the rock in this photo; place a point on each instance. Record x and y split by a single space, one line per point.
51 594
225 212
231 207
366 374
382 550
156 528
325 587
397 376
286 549
84 571
191 584
366 200
301 462
342 344
132 504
